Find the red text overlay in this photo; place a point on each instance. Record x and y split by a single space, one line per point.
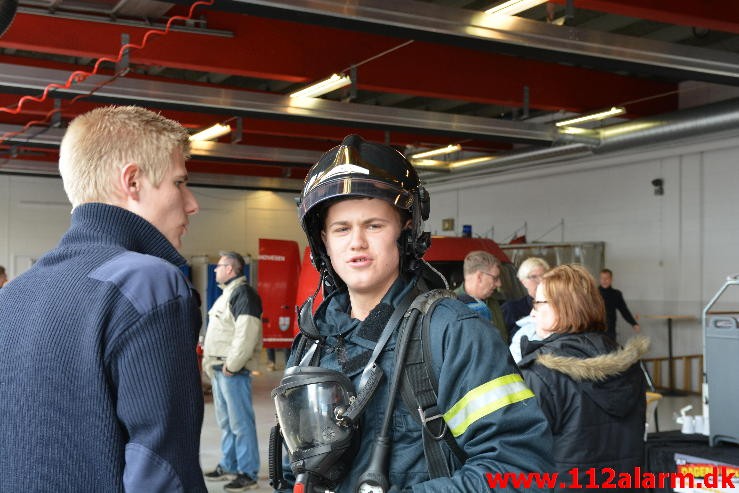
607 478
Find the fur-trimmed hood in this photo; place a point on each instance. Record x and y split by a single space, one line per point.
597 368
594 363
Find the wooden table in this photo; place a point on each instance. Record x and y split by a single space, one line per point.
670 367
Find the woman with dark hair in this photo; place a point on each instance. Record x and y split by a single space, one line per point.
591 390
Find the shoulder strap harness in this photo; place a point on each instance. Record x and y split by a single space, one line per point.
419 384
419 387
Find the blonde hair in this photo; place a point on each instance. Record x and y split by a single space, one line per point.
530 264
99 143
479 260
572 293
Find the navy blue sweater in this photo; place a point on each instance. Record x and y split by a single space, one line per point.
99 386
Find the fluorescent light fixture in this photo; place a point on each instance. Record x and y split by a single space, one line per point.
428 163
438 152
576 131
602 115
473 160
325 86
211 133
513 7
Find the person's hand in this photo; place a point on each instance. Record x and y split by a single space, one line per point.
637 328
226 372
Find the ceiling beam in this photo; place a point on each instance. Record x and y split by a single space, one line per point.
250 104
52 137
198 176
296 53
505 34
256 131
715 15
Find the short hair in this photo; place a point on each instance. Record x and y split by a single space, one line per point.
99 143
2 270
607 271
478 260
235 260
530 264
572 293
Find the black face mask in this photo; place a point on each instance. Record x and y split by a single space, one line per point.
311 402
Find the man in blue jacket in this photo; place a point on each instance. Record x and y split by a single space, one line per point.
99 376
362 209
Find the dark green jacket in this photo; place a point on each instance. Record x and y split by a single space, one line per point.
495 310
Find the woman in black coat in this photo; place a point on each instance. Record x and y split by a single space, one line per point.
591 390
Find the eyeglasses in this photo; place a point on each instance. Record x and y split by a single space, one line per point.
539 302
534 278
221 265
495 278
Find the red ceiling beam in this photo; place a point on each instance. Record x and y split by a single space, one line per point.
719 15
277 170
247 169
294 52
267 133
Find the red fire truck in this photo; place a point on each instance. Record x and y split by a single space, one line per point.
284 284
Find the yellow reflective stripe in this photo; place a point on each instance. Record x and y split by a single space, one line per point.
485 399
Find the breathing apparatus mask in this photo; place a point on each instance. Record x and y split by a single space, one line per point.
311 404
318 410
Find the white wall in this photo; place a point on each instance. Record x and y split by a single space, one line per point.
34 213
235 220
669 253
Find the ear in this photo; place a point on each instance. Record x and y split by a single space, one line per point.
129 181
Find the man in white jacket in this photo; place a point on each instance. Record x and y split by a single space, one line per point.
232 344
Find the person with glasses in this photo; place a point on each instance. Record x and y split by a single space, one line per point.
591 390
529 273
481 278
231 348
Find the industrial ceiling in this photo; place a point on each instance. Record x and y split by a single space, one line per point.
425 75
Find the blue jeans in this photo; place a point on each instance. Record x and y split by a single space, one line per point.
235 417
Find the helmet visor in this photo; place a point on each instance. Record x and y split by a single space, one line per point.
307 414
353 186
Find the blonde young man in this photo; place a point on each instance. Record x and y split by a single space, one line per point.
100 383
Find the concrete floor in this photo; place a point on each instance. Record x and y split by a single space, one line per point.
264 381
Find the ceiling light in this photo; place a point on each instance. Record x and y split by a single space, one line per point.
438 152
428 163
473 160
325 86
602 115
211 133
513 7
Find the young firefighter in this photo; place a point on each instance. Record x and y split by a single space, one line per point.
362 209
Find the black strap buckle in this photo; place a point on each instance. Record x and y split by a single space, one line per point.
426 420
